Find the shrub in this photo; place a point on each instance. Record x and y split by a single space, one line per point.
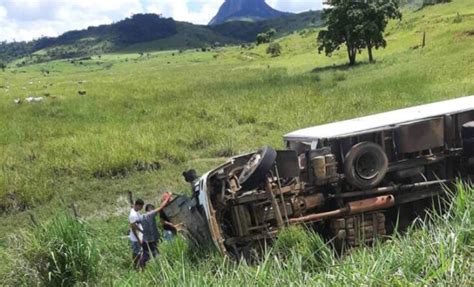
457 19
266 37
262 38
58 253
274 49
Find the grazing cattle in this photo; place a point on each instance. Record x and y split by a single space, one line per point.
34 99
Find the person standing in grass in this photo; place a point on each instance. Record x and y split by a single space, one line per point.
136 231
151 235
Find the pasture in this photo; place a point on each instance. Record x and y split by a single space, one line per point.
127 121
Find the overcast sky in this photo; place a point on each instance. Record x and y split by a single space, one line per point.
29 19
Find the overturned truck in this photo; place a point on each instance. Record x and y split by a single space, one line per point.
351 181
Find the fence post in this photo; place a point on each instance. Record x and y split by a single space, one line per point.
130 198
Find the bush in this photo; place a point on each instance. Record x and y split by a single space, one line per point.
58 253
266 37
457 19
274 49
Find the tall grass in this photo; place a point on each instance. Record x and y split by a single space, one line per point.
60 252
434 252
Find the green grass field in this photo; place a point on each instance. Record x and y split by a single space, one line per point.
193 109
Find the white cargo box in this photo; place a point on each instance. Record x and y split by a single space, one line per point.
381 121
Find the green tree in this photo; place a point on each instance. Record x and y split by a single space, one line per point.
271 33
3 66
376 16
357 24
343 20
274 49
262 38
266 37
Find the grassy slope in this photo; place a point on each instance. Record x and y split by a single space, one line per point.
187 36
190 109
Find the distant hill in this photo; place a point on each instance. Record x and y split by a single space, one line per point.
245 10
149 32
246 31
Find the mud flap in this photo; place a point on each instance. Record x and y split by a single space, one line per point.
186 211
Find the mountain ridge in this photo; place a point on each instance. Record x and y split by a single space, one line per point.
150 32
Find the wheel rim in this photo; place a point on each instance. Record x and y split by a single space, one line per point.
367 166
250 167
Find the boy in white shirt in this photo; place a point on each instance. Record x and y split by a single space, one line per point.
136 231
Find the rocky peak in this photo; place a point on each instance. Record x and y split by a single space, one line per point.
245 10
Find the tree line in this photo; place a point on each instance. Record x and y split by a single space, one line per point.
136 29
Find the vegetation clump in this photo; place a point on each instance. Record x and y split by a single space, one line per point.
60 252
266 37
274 49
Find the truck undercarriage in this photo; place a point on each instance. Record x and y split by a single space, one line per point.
353 188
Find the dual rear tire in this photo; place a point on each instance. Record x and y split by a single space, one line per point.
365 165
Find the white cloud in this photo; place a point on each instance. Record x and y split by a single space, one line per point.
28 19
180 9
3 12
296 5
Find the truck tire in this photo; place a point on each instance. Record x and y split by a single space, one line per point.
257 168
365 165
468 130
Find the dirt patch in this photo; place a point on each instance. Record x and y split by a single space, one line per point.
11 203
124 171
147 166
469 33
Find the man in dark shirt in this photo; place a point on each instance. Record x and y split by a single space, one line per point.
151 235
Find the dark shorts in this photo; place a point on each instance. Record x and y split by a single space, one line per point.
150 249
136 249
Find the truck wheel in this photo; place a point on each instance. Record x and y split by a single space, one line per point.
257 168
365 165
468 130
